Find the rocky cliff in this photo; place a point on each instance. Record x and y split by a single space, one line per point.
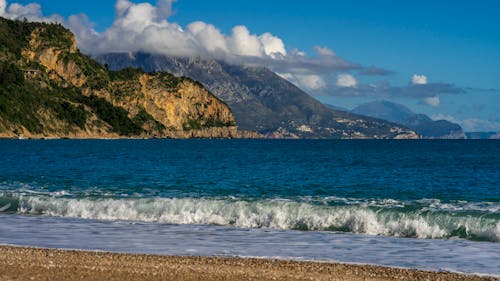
48 89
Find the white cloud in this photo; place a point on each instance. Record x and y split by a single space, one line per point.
419 79
433 101
3 5
208 36
298 53
324 51
32 12
311 82
242 43
346 81
305 81
144 27
165 8
273 46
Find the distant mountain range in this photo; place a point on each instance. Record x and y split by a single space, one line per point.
420 123
263 101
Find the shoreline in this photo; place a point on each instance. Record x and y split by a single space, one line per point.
24 263
208 133
229 138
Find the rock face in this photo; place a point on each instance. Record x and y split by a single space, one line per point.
420 123
49 89
50 56
262 101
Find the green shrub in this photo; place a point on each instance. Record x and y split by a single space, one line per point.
116 117
55 35
19 105
143 117
192 124
72 114
14 35
10 74
125 74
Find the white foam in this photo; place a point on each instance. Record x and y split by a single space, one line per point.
277 214
5 208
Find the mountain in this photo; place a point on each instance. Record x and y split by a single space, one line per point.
263 101
420 123
338 108
48 89
384 110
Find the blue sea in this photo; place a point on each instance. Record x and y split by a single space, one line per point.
417 204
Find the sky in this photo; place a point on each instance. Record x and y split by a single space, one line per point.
440 58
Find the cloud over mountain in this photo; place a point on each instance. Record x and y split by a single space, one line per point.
433 101
346 81
143 27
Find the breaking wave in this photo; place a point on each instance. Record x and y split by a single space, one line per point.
420 219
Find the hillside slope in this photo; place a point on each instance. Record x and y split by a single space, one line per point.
263 101
48 89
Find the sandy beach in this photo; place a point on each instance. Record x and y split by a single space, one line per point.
45 264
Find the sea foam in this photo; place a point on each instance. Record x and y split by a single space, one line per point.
391 219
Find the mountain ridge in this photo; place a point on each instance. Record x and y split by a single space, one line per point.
263 101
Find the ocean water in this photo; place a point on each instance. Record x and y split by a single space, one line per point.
419 204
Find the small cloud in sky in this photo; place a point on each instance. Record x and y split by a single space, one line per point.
307 81
346 81
313 82
433 101
324 51
273 46
32 12
419 79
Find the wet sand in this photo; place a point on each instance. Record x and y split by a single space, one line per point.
44 264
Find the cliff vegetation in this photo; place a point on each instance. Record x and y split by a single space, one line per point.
48 89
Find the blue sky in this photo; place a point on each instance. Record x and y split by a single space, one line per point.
452 42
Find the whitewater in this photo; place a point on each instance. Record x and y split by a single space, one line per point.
426 219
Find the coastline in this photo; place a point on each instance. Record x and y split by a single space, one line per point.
21 263
200 134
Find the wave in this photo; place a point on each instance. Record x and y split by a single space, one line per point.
387 217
